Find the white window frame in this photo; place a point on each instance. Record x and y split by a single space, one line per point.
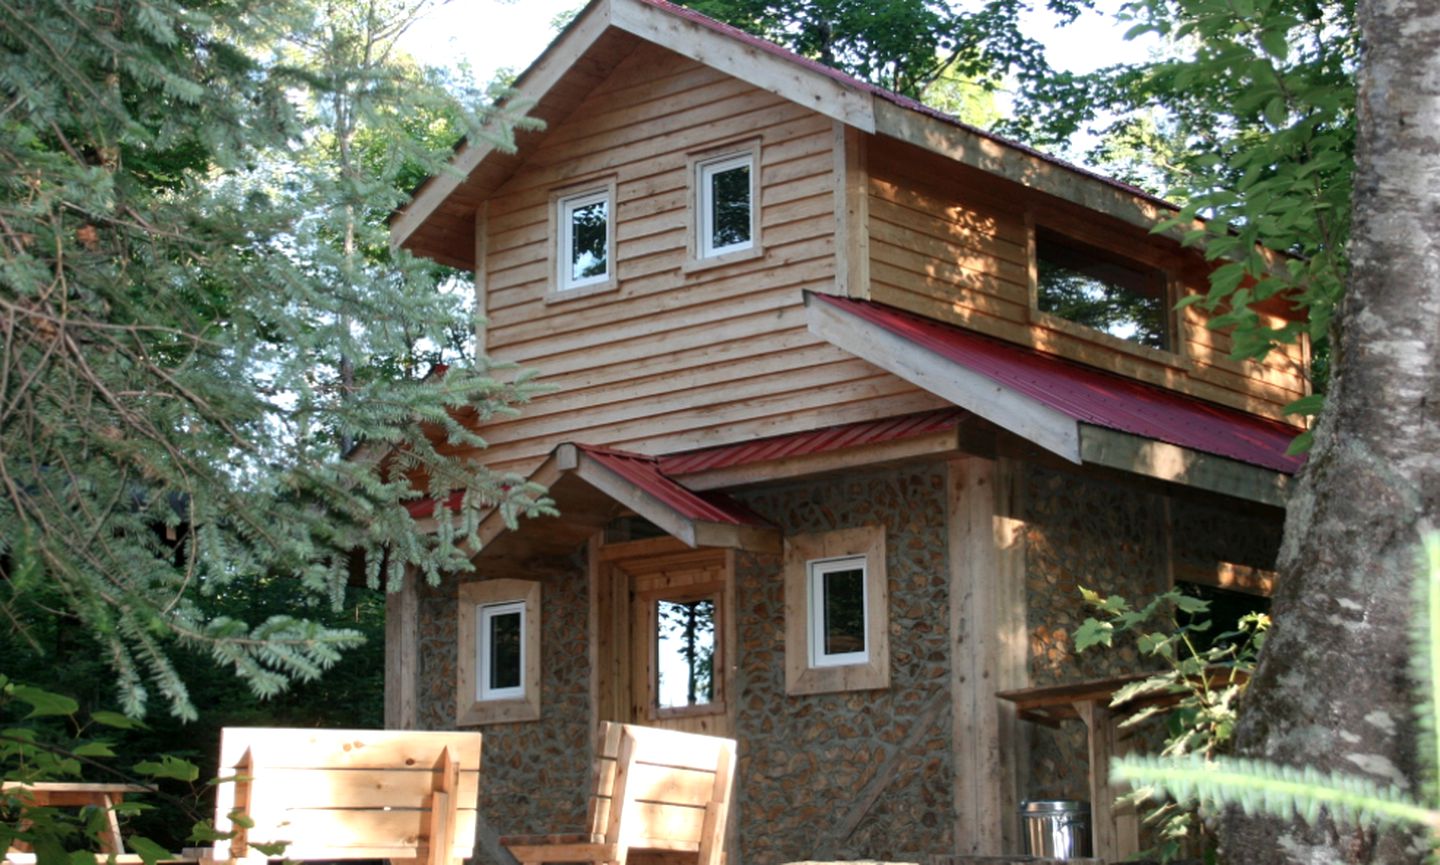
705 176
818 569
564 272
703 165
479 603
485 615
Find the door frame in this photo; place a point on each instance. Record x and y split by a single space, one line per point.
613 652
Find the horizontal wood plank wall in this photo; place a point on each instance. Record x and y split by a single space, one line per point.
951 243
675 358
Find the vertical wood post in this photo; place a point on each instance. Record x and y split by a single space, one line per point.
482 243
402 655
989 653
852 213
1116 827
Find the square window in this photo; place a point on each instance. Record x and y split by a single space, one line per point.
836 602
1101 290
727 204
499 659
500 651
584 239
836 608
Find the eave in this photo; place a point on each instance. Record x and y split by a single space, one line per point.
1080 414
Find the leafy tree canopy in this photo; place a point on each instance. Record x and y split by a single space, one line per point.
190 325
1246 118
902 45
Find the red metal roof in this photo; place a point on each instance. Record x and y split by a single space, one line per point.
1093 396
811 442
645 473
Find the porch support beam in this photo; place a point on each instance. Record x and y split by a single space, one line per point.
989 652
402 654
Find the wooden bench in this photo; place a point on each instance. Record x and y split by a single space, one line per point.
347 794
656 791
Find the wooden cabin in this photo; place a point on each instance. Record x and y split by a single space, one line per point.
834 442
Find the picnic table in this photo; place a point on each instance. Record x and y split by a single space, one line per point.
78 794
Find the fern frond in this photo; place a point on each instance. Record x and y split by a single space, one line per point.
1281 791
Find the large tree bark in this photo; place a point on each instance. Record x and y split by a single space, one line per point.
1333 689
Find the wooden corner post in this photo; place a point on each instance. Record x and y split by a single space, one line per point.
989 652
402 654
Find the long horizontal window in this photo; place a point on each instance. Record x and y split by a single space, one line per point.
1101 290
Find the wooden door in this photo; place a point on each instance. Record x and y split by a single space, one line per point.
673 623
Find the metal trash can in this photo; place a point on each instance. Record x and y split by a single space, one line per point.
1056 828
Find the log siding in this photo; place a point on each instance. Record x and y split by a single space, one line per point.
676 357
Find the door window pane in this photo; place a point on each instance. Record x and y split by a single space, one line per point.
685 653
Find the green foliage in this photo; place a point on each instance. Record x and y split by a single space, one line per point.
1283 791
348 695
1203 676
190 331
1304 793
67 748
1248 121
901 45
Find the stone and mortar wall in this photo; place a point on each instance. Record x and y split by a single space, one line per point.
535 775
806 761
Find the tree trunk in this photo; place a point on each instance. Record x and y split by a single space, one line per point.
1333 689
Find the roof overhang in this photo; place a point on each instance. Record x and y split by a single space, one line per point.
439 220
592 485
1082 415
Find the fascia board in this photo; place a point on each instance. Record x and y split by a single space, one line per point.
1028 418
748 63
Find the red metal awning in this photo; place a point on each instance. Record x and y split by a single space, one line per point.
830 438
646 474
1047 386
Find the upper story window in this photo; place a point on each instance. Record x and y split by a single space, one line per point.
727 204
724 205
584 232
585 244
1102 290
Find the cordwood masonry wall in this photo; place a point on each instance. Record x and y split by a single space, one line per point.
808 762
533 775
1114 538
864 774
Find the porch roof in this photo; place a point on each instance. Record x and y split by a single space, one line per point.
592 485
647 476
1072 410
